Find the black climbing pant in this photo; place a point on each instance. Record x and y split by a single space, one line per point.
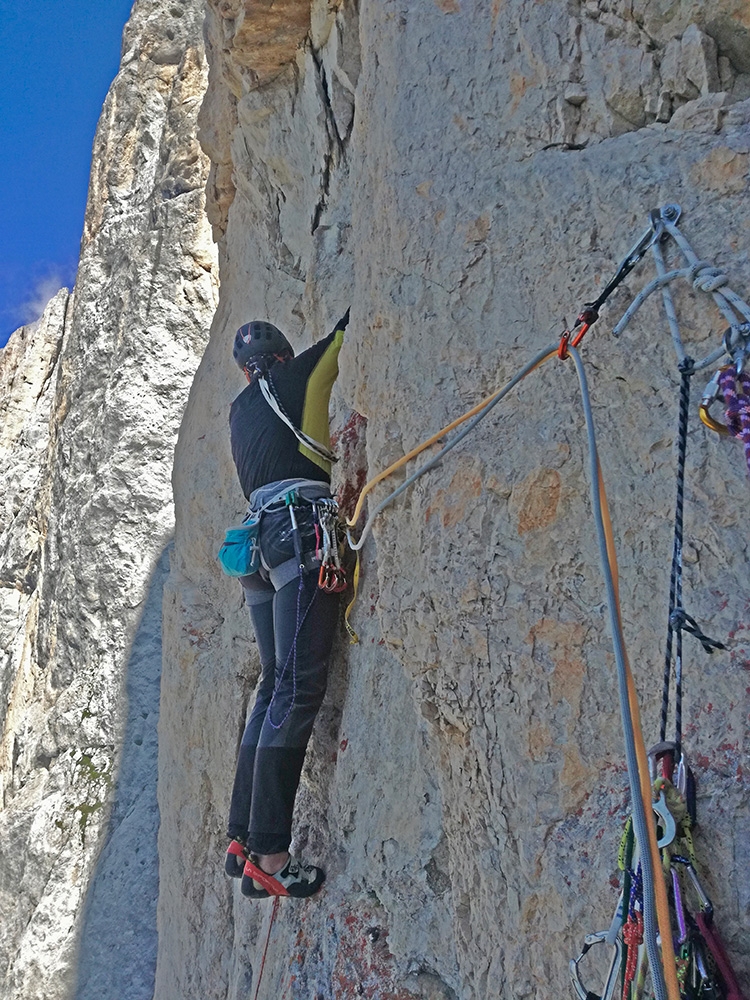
294 627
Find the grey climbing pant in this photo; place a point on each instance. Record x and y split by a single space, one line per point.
294 623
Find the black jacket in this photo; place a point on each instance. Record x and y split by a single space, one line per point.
264 449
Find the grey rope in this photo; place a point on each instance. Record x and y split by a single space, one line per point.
723 298
640 820
661 281
491 403
704 278
669 307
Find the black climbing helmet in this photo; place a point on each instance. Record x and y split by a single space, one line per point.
257 338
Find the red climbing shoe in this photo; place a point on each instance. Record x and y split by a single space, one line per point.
295 879
234 862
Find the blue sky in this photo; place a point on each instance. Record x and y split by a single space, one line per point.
57 60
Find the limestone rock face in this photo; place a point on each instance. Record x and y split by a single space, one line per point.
92 396
465 175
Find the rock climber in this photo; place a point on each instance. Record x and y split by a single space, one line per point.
294 620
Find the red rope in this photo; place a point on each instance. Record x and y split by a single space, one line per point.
274 911
632 935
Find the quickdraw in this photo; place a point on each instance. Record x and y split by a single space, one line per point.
332 575
706 968
590 312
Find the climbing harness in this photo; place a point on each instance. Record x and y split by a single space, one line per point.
290 500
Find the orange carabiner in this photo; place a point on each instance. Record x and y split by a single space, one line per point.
585 327
562 350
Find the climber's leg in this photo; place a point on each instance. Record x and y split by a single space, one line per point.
259 596
305 620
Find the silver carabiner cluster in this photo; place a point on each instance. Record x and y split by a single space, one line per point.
332 575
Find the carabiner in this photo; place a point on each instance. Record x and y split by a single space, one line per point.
737 345
710 395
613 978
670 827
663 751
716 947
707 906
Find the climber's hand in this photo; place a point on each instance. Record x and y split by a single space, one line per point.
344 321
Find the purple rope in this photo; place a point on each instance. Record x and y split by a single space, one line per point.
736 391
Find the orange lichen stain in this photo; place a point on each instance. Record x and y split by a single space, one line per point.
453 501
449 6
576 779
724 171
540 741
423 189
538 499
536 909
478 230
564 642
518 86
